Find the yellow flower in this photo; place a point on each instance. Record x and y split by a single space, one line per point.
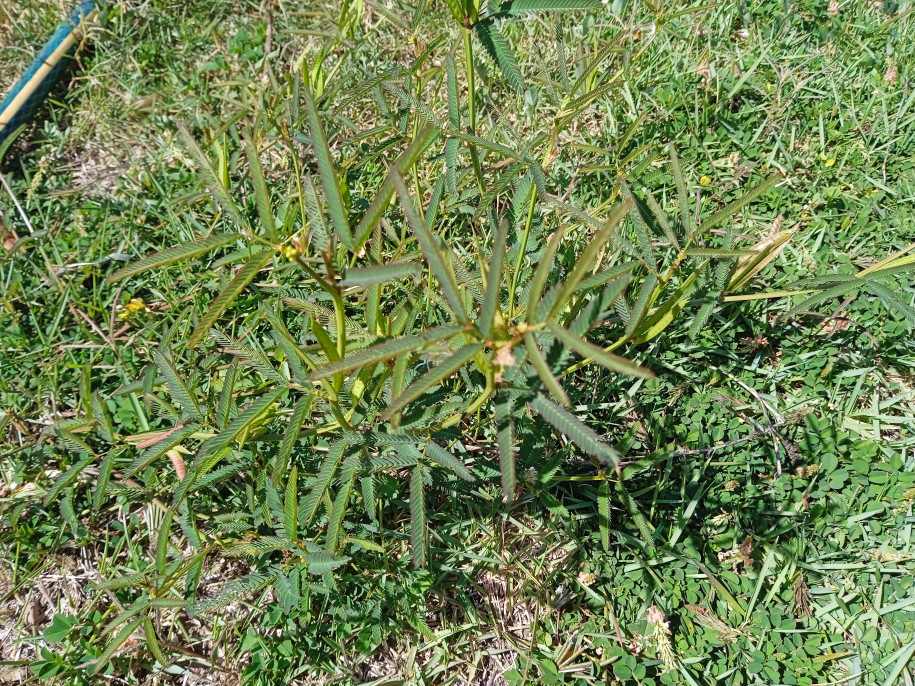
828 163
134 306
289 252
704 181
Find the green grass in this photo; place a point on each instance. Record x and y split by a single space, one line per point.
767 504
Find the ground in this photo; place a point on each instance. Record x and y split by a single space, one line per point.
764 531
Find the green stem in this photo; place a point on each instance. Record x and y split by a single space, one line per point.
471 108
521 250
527 225
475 405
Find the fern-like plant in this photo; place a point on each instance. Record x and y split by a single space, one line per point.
459 300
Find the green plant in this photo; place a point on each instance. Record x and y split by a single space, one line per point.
410 329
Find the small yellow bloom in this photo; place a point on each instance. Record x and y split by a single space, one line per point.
830 162
704 181
134 306
289 252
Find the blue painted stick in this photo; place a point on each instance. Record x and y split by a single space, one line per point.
34 85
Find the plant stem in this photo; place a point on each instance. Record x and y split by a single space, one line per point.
528 223
521 250
471 107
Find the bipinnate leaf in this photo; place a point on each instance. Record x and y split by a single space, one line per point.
541 274
584 261
446 458
308 507
233 590
174 254
734 207
239 424
321 562
438 263
494 279
383 351
499 50
521 6
67 478
603 514
299 414
261 192
424 138
338 510
828 294
326 169
432 378
169 439
291 505
642 303
505 438
179 391
418 517
211 178
550 382
891 300
588 350
232 290
102 660
664 315
682 194
575 430
381 273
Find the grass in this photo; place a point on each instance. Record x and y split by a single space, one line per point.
767 509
